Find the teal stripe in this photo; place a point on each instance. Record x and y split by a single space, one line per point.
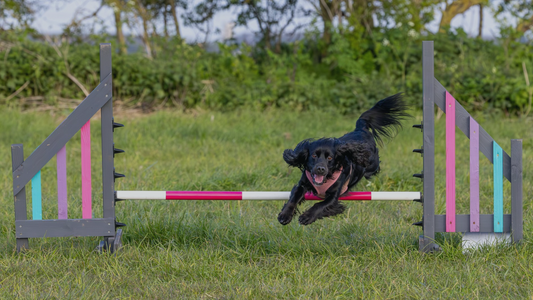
36 205
498 187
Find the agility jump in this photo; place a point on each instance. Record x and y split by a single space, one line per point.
100 98
205 195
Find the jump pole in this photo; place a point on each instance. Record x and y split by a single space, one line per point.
208 195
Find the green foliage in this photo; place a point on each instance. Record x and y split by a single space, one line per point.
358 70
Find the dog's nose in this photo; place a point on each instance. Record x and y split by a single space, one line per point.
320 170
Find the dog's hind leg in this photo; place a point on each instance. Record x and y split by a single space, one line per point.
332 210
316 211
327 208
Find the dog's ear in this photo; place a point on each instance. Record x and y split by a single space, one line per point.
356 152
298 156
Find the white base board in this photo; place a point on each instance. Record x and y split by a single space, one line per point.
473 240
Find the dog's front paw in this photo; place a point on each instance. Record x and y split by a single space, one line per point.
307 218
285 217
287 212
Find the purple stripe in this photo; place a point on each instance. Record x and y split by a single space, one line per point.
474 175
62 207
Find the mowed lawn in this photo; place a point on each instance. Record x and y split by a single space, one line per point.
238 250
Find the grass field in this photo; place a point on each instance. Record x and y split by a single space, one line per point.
238 250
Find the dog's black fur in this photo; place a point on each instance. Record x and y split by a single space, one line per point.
356 152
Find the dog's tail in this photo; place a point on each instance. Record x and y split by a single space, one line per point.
384 118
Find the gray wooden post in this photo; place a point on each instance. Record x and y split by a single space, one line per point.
516 191
426 242
17 158
108 180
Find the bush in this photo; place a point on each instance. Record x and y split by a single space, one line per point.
357 71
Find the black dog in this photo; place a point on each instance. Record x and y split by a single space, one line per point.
332 166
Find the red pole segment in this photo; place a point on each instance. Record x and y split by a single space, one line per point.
203 195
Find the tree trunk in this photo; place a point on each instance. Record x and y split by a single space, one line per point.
455 8
480 30
165 21
154 38
278 43
175 17
122 48
266 37
327 19
364 11
146 38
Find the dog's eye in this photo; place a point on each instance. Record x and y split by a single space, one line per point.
330 158
314 155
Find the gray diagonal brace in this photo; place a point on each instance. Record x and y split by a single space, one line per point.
63 133
462 121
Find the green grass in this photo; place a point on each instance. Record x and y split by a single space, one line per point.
238 250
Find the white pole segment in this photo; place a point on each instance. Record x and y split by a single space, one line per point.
139 195
395 195
266 195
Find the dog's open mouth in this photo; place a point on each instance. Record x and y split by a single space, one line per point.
318 179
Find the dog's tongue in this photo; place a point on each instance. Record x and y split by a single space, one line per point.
318 178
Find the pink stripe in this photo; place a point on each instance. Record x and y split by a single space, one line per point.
450 163
208 195
86 171
474 175
62 206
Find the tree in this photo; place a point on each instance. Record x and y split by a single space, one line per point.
18 13
520 9
327 10
360 12
150 11
120 9
142 12
455 8
201 15
119 6
272 17
165 9
364 16
174 12
417 13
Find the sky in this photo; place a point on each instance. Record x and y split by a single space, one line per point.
52 19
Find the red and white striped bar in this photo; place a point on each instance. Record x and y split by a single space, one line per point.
207 195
